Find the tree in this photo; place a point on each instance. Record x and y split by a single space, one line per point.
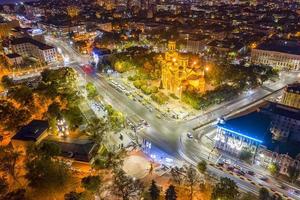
16 195
91 183
91 90
202 166
22 94
191 178
264 194
46 150
125 186
248 196
3 186
293 173
154 191
225 189
176 175
7 81
8 160
96 130
273 169
171 193
73 196
45 173
54 110
12 117
245 155
73 116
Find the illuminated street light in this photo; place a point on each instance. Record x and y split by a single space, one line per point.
62 128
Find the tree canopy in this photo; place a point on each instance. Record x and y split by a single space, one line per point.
225 189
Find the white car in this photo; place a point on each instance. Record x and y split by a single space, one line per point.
189 135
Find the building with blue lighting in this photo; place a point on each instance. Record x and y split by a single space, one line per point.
271 134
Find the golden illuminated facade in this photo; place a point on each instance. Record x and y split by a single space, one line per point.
179 74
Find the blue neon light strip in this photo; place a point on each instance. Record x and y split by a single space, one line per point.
240 134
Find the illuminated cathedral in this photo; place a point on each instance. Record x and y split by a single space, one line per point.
179 73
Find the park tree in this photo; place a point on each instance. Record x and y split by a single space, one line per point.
264 194
46 150
125 186
73 196
202 166
225 189
3 187
96 130
154 191
46 174
293 173
171 193
176 175
91 90
54 110
8 161
273 169
22 94
7 81
73 117
91 183
191 178
43 170
18 194
12 117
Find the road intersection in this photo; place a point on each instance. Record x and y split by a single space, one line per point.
170 135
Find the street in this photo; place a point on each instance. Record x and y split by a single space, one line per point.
170 135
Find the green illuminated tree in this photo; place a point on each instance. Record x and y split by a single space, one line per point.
202 166
91 90
273 169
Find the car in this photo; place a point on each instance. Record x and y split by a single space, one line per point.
158 116
283 187
242 173
189 135
297 192
251 173
264 179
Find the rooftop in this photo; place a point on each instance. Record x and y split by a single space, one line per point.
78 150
256 126
23 40
32 131
283 46
244 126
12 55
294 88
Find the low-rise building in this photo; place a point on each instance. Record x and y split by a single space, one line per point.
279 54
271 134
13 59
32 133
291 96
30 47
